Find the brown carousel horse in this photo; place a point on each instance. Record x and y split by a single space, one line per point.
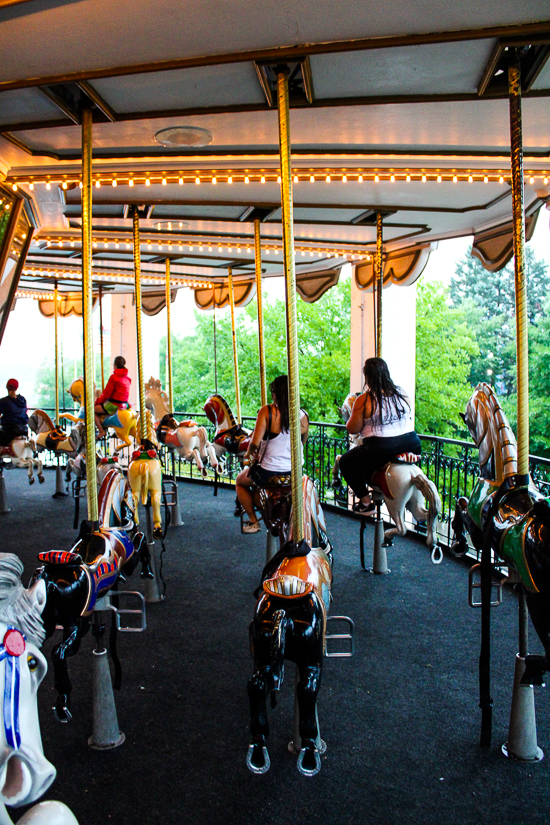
76 579
290 623
508 516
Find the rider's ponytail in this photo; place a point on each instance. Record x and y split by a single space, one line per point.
279 391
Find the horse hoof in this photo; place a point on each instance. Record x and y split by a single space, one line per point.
41 479
157 533
257 759
437 555
31 480
309 761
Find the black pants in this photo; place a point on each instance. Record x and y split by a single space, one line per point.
10 431
358 464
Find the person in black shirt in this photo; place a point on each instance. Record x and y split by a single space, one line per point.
13 414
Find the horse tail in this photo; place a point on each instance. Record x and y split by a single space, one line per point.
280 624
429 491
144 485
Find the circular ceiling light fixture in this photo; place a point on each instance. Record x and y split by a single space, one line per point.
177 136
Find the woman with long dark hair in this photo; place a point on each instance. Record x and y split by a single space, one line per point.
269 450
382 416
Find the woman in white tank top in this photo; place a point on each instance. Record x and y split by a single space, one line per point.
271 441
382 416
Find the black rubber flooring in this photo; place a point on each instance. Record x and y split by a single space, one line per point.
400 719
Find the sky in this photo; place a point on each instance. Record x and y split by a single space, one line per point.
28 339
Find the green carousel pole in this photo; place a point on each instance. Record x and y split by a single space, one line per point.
522 321
169 338
258 259
87 307
234 337
379 285
291 315
137 288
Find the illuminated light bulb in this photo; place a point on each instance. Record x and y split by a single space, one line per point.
376 178
60 243
312 178
230 179
408 178
97 184
545 181
210 249
190 248
327 178
180 247
353 257
94 244
344 178
230 249
200 248
279 179
276 251
267 250
131 182
14 187
485 179
114 182
392 178
164 181
160 246
214 180
64 184
80 183
220 249
439 178
106 245
117 244
423 178
170 246
72 243
302 253
48 185
531 179
127 245
311 254
470 179
360 179
149 245
147 182
180 181
320 254
262 179
455 178
295 178
247 179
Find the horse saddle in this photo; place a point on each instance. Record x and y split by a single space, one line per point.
60 557
8 449
232 440
276 501
54 438
378 479
112 420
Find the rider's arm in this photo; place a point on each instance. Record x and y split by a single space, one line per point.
257 435
359 413
106 394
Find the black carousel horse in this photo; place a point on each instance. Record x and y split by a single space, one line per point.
507 516
75 580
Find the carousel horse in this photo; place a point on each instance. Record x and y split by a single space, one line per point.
145 476
25 773
123 422
508 515
187 438
55 439
403 487
290 623
230 437
75 580
22 451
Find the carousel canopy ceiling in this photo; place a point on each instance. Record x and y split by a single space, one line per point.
388 113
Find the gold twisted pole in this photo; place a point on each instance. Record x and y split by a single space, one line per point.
101 336
87 307
55 311
234 336
522 335
379 282
169 338
291 314
258 258
137 289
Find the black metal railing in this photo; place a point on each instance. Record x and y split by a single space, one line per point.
451 464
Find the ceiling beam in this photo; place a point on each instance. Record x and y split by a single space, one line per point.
536 32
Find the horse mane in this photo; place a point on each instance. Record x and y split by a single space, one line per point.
228 410
16 607
493 434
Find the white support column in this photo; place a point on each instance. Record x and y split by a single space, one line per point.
398 335
124 338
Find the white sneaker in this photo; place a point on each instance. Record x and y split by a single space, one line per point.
251 527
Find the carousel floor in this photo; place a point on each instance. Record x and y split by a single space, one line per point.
400 718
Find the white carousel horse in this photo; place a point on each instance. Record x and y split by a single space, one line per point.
21 451
187 438
403 487
25 773
125 423
145 476
50 437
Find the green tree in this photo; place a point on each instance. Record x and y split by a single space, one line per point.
445 346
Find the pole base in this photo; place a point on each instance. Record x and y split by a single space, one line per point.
537 758
522 733
379 555
106 734
3 503
151 587
98 746
59 483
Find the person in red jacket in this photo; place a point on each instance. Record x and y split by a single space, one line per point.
115 395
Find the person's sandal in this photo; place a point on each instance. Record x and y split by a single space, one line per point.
251 527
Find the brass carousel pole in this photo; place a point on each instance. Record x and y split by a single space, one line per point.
291 315
379 281
101 336
55 311
258 257
234 336
87 307
137 292
169 339
516 143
